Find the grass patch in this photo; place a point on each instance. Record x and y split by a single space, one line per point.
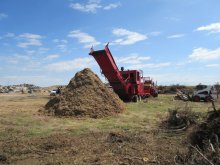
23 115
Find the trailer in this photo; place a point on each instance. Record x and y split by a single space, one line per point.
130 85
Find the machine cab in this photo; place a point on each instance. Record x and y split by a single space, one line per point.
132 76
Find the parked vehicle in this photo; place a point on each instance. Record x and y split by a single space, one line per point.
205 93
54 92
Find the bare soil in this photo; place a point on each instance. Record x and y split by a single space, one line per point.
105 148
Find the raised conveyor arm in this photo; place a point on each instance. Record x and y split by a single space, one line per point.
108 66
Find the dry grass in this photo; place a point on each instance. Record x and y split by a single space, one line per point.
19 118
20 112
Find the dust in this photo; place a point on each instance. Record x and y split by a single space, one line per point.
85 96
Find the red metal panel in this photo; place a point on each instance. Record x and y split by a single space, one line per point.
110 70
108 65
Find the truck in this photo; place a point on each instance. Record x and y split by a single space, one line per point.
130 85
55 92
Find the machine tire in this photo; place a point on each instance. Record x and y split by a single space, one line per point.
196 98
155 95
135 98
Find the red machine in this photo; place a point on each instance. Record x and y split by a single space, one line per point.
128 84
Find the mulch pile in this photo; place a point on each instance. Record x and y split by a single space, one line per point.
85 96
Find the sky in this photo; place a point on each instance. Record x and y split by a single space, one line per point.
45 42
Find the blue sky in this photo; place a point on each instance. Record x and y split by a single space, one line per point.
45 42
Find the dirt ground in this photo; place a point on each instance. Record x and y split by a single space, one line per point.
92 148
28 137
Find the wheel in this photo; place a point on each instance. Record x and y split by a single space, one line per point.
196 98
135 98
155 95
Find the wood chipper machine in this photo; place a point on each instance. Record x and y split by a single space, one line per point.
130 85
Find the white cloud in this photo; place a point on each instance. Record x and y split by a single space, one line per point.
200 54
212 28
78 63
213 65
30 52
64 41
112 6
61 44
89 7
182 63
37 51
132 59
17 58
158 65
29 39
62 47
42 50
56 40
9 35
3 16
173 19
60 41
15 79
92 6
128 37
52 56
33 65
156 33
183 79
84 38
176 36
24 63
42 79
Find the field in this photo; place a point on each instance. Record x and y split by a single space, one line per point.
28 136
